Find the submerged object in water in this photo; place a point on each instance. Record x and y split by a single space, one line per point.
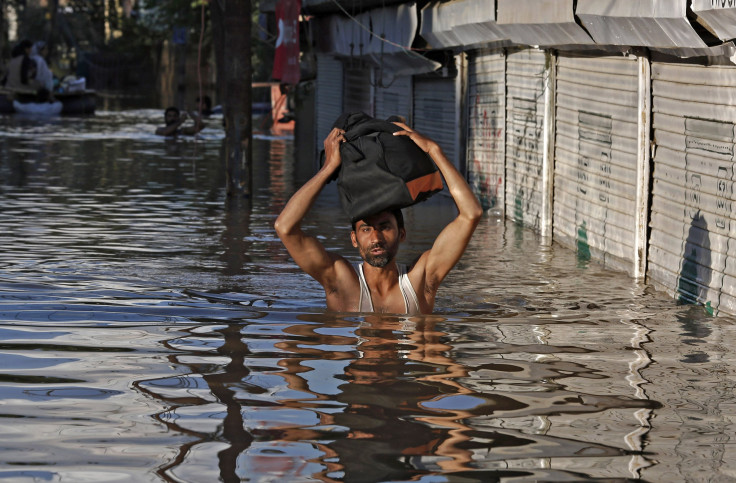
75 103
38 108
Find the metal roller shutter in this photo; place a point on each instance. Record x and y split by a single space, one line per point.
690 252
596 148
357 88
486 128
394 99
436 112
525 72
328 96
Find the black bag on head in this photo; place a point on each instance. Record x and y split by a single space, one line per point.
380 171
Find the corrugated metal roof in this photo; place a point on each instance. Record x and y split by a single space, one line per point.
651 23
541 22
461 23
724 51
665 26
718 17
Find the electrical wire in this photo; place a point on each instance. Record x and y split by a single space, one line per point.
382 39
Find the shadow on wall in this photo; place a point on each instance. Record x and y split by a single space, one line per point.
695 272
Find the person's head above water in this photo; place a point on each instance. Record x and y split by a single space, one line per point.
205 104
22 48
175 119
171 115
377 237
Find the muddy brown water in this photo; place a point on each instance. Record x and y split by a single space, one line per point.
152 331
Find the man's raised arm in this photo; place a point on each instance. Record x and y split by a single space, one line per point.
450 244
198 124
170 129
306 250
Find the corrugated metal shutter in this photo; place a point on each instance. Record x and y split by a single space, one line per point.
524 131
394 99
691 250
328 96
595 182
436 112
357 88
487 128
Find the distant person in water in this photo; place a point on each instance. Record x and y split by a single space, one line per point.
174 120
379 284
205 106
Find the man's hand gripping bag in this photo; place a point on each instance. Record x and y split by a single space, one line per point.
381 171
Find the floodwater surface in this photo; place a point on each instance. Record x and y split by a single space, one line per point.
151 330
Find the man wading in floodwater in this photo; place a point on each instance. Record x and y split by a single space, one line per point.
174 119
379 284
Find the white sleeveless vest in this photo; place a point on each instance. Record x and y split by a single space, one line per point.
411 303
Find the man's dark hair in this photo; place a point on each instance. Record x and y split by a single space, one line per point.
20 48
397 214
171 108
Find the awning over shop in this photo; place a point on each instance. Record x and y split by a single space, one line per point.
726 52
382 36
541 22
650 23
461 23
719 17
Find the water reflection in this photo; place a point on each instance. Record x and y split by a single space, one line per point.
368 398
151 330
